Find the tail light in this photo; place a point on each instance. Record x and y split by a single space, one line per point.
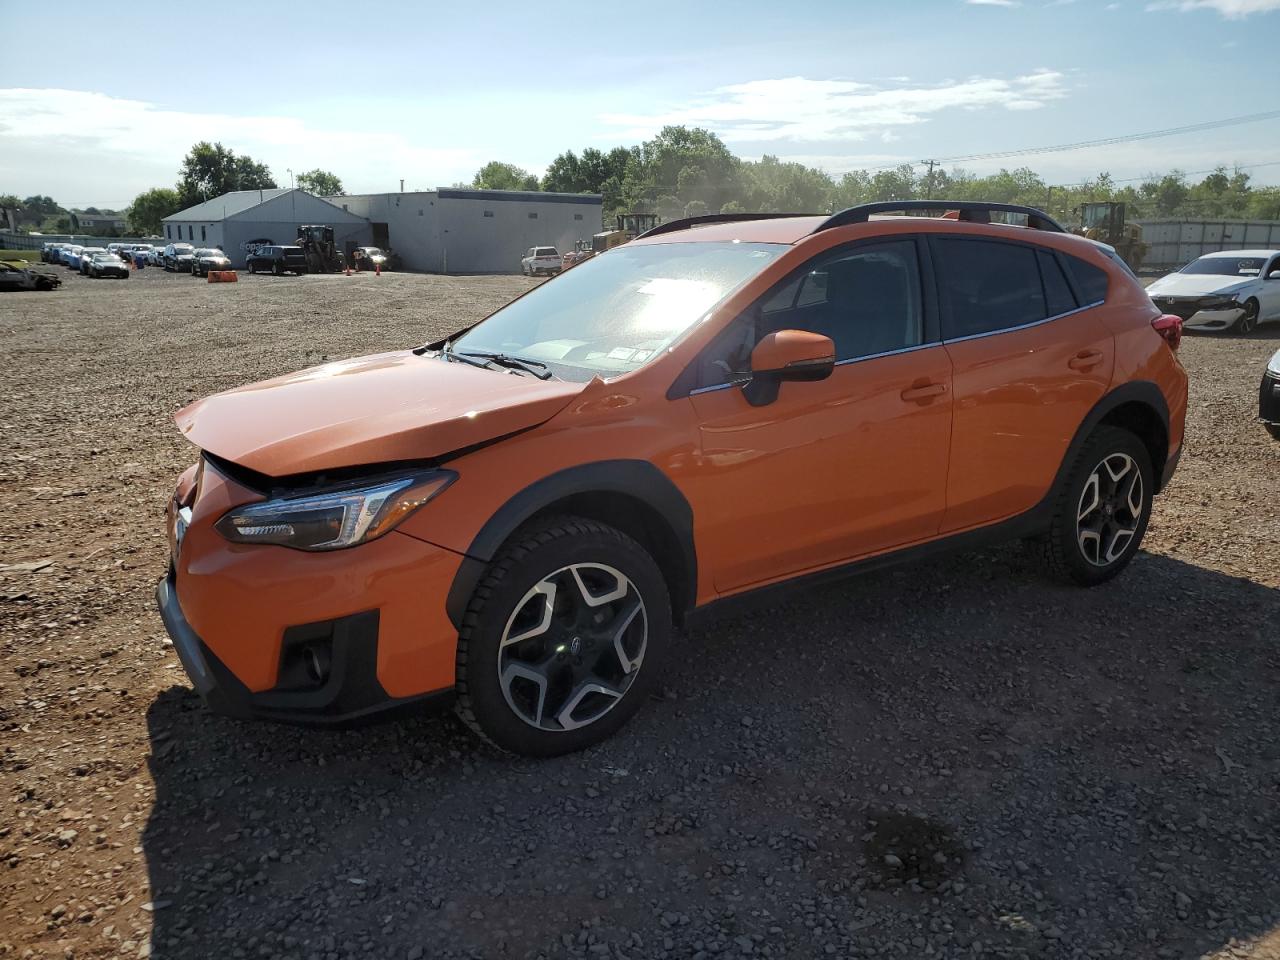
1169 327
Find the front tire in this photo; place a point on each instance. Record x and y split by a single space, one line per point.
1273 429
562 639
1101 511
1247 322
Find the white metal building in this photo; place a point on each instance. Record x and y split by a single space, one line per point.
1172 243
474 231
236 221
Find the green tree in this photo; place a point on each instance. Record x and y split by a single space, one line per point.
771 186
496 175
210 170
149 209
565 175
41 206
322 183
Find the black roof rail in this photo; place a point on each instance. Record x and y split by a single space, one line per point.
685 223
971 211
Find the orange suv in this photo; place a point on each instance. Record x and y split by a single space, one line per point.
516 518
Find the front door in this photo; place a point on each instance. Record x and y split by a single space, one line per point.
841 468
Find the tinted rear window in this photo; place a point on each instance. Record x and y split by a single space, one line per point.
1090 281
987 286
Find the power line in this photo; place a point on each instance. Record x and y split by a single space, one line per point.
1126 138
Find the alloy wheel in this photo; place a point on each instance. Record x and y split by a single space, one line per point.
1249 320
1110 509
572 647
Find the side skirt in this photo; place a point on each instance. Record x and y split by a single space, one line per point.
1034 521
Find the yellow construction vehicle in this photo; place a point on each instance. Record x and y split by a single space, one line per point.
630 226
1105 221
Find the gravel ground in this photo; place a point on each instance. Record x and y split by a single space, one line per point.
955 759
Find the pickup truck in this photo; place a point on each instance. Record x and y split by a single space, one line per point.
541 260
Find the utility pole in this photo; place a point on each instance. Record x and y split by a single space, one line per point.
928 181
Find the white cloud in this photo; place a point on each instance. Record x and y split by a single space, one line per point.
113 148
804 110
1231 9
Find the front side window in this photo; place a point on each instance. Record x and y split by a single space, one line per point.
865 298
1225 266
615 312
985 286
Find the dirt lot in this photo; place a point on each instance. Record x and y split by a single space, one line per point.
1059 773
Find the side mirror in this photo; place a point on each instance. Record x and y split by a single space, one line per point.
787 355
1274 275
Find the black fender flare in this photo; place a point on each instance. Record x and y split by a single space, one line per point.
637 479
1135 391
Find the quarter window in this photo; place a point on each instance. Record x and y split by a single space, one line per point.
1057 292
1090 281
987 286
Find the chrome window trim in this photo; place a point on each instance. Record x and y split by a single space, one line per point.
1024 326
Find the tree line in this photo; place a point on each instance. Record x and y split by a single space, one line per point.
686 172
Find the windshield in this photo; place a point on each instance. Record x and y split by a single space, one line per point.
545 252
182 248
1226 266
616 311
208 253
371 251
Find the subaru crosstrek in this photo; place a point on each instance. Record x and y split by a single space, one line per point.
516 517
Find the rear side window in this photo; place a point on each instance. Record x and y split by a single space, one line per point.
1057 292
987 286
1090 281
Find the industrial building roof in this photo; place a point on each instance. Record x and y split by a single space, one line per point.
227 205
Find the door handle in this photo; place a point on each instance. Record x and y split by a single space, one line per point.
1085 359
924 391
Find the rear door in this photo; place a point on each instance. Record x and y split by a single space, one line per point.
1030 357
835 469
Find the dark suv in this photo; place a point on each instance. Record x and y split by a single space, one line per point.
178 257
278 260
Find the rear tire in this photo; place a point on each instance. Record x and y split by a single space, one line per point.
591 619
1273 429
1101 510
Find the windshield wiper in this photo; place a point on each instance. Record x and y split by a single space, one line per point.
463 357
535 367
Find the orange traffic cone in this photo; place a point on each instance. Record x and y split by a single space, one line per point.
377 269
348 269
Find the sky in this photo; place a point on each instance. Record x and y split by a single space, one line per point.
428 93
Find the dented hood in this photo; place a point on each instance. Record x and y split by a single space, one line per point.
378 409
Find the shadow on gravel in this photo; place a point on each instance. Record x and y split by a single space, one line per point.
1058 772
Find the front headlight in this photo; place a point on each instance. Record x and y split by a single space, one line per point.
335 518
1273 365
1218 302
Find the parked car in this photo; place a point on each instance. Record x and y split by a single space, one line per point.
141 254
49 252
85 257
278 260
209 258
1232 290
21 275
1269 396
517 515
179 257
71 256
370 258
541 260
107 265
155 257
